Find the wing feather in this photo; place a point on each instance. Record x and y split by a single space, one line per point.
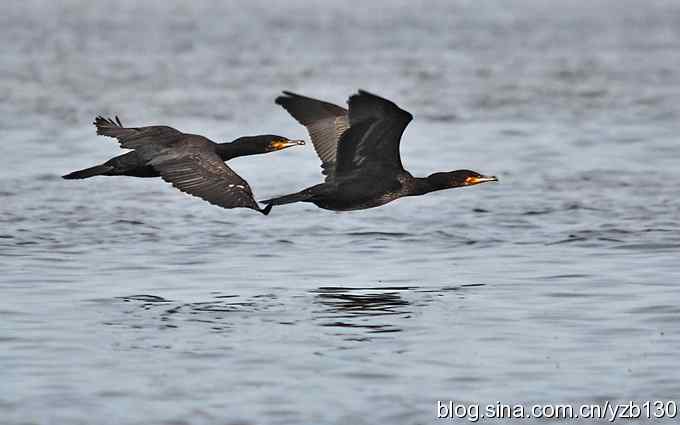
325 123
136 137
380 124
203 174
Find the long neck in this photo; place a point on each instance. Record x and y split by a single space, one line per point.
422 186
431 183
240 147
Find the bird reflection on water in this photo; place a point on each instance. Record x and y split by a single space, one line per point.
349 310
361 307
368 308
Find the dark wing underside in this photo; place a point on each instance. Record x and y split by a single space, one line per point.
188 162
325 123
205 175
376 127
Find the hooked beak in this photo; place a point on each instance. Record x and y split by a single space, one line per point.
477 180
287 144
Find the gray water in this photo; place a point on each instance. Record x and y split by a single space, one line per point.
124 301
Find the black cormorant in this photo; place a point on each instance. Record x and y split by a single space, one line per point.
191 163
359 151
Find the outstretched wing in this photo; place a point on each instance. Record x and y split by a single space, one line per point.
136 137
202 173
188 162
376 127
325 123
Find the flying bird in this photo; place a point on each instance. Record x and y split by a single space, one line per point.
193 164
359 152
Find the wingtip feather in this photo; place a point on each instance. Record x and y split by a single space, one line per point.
287 96
266 210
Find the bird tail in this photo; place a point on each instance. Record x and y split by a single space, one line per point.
97 170
289 199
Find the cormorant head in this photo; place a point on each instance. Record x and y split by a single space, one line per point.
272 142
458 178
254 145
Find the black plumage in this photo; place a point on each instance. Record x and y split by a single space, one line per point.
365 169
191 163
